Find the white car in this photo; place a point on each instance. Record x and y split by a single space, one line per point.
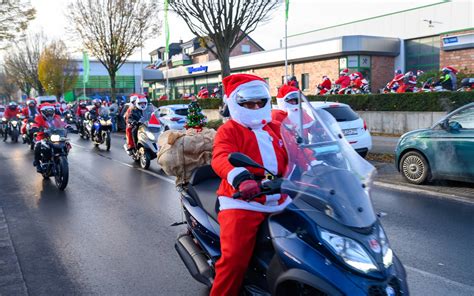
354 128
173 117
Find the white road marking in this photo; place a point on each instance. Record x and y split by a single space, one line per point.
440 278
424 191
167 179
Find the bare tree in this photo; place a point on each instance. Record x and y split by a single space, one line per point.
14 18
223 24
21 62
111 30
7 87
56 70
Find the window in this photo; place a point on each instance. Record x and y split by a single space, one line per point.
245 48
465 118
422 54
304 81
342 113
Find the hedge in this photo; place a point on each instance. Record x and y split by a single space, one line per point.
432 102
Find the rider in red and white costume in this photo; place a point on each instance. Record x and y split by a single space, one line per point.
250 131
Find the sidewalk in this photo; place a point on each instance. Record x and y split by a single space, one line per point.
11 278
388 175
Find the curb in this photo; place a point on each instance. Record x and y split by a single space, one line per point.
432 193
11 277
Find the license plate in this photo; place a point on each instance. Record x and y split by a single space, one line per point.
349 132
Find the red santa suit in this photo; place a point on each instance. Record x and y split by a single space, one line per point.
42 123
27 112
344 81
9 113
203 94
250 131
325 86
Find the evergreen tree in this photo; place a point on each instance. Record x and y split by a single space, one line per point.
195 118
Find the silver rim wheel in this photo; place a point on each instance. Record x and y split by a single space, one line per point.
413 168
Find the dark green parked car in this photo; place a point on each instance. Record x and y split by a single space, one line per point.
444 151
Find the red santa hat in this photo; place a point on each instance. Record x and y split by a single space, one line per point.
254 85
452 69
234 82
154 122
285 90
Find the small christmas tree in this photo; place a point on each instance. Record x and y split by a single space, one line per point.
195 118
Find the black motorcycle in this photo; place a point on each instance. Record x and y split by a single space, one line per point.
327 241
53 161
11 128
29 136
100 129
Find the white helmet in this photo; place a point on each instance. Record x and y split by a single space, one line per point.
141 103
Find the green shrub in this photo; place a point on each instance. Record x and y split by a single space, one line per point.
204 103
433 101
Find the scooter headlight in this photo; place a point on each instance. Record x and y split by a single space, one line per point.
55 138
150 136
351 252
387 252
14 123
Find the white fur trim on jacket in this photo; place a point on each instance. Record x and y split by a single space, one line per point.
271 206
233 173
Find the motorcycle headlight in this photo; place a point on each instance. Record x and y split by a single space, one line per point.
102 122
109 122
387 252
150 135
14 123
351 252
55 138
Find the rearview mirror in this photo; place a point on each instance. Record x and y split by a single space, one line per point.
241 160
454 126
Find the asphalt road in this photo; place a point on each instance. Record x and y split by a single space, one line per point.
109 232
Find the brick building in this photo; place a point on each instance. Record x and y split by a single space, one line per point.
425 38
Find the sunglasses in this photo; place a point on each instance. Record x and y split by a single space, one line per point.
253 104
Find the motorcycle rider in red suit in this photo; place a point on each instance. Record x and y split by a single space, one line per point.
250 131
11 112
29 112
344 81
129 129
46 119
203 93
325 86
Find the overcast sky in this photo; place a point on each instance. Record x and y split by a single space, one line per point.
304 15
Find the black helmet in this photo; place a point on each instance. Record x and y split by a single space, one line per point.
12 105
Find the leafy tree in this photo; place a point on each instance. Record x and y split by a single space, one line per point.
56 70
21 62
223 24
14 18
111 30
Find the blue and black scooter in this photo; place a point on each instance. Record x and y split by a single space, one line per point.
328 241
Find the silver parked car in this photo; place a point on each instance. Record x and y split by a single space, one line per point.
173 116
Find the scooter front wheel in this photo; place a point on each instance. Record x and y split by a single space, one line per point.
144 159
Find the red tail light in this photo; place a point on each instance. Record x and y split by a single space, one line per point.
333 105
175 119
365 125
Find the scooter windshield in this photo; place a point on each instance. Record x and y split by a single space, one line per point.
325 173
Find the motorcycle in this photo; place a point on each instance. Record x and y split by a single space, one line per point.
54 150
29 136
149 130
328 241
102 127
68 117
11 128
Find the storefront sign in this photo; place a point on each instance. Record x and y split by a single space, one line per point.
364 61
352 61
458 42
342 63
191 70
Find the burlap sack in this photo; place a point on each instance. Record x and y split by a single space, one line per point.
183 151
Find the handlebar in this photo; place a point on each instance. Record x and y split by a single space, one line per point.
267 187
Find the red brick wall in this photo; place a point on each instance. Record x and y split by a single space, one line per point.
462 59
381 72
